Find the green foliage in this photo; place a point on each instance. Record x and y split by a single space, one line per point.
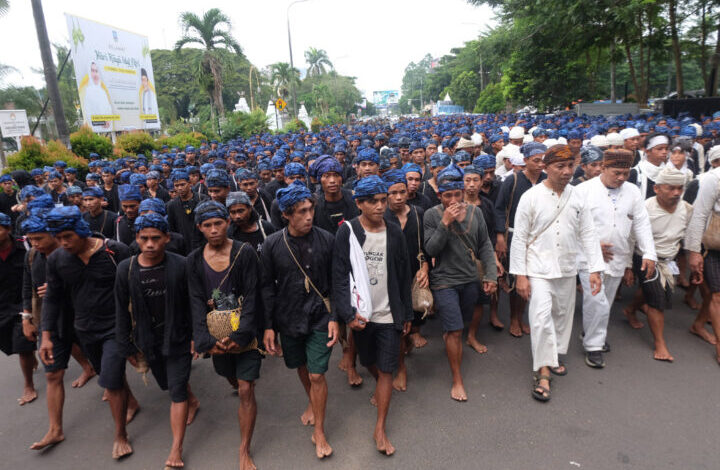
328 93
317 60
36 154
315 125
490 100
134 143
85 141
245 124
296 125
182 140
464 89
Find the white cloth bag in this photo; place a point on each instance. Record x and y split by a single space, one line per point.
359 278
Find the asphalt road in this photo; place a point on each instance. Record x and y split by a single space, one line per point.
636 413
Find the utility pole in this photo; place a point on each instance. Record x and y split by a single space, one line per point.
50 73
292 67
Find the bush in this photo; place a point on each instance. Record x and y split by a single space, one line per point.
182 140
85 141
134 143
35 154
244 124
296 125
491 100
315 125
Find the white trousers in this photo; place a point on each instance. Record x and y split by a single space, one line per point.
596 309
550 311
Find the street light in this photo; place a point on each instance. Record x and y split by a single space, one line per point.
292 68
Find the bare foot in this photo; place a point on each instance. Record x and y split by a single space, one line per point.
322 448
29 396
457 392
476 345
35 362
51 438
175 460
662 354
632 319
246 463
400 381
691 302
354 378
132 410
703 334
515 330
418 341
105 396
193 407
383 444
497 324
84 378
121 448
526 329
308 418
346 362
373 402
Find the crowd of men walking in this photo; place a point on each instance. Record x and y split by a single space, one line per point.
289 244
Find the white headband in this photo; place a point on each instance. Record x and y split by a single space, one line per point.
657 140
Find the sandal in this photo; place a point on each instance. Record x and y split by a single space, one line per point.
539 392
557 370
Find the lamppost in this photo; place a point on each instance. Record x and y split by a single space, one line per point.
292 67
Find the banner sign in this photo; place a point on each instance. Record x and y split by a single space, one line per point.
114 76
14 123
382 99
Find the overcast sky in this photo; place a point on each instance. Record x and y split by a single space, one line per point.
373 40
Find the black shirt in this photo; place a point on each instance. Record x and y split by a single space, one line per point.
103 223
152 280
6 203
336 211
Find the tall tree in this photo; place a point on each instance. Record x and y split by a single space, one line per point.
282 76
317 60
211 32
50 73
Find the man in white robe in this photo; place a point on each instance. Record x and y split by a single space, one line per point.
551 226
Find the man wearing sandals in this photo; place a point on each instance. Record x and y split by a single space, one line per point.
218 271
297 278
551 225
153 322
619 215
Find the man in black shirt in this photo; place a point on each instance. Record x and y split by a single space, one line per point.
130 197
110 189
83 270
181 210
246 226
296 291
490 183
75 197
33 291
100 220
12 340
8 197
154 325
334 203
71 178
248 182
413 178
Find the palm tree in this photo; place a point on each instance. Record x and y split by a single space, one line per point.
317 59
282 76
207 33
4 7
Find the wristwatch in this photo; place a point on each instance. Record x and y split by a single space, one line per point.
26 316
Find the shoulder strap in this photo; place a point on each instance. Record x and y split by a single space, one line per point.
109 252
262 230
308 281
420 256
237 255
557 214
508 209
31 256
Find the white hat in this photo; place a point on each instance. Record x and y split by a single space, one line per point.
714 153
505 129
698 129
477 139
527 138
517 160
550 142
599 141
516 132
614 138
464 144
629 133
561 140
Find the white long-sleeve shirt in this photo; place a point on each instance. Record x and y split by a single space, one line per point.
553 254
707 200
616 213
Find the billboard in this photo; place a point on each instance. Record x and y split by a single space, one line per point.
114 76
383 99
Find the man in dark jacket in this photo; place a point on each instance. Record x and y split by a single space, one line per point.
221 274
12 340
83 269
153 321
296 291
100 220
180 210
246 225
130 198
377 335
334 204
247 181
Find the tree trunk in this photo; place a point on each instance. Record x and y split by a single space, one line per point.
715 61
672 13
50 73
613 98
216 72
212 115
631 66
703 45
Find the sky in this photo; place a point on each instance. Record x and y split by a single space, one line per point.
372 40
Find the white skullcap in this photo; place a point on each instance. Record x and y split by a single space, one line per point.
629 133
698 129
505 129
517 160
527 138
614 138
561 140
657 140
516 132
477 139
671 176
550 142
713 153
599 141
